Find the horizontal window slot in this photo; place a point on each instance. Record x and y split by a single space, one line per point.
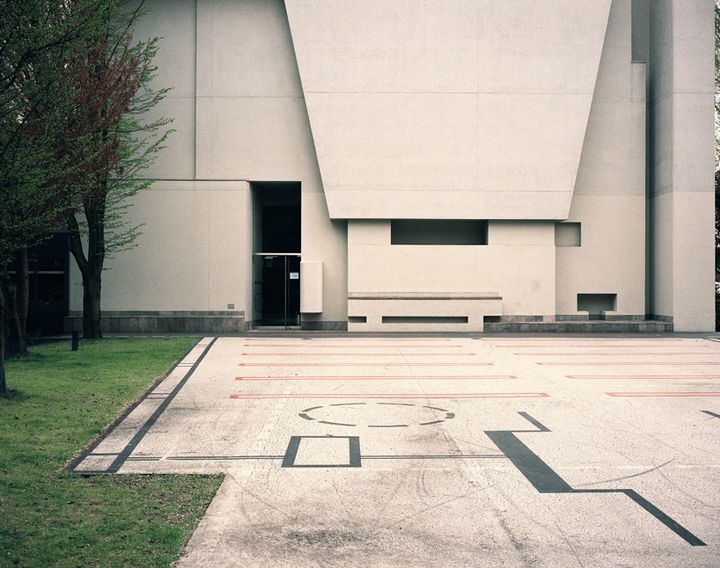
424 319
438 232
357 319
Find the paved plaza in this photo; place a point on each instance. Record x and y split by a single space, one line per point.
440 451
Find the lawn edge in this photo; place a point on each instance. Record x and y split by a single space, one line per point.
81 454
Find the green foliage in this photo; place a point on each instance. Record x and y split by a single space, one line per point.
62 400
37 35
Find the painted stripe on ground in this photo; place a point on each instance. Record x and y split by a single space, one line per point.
469 395
309 354
619 363
645 377
661 394
404 364
350 345
379 378
629 354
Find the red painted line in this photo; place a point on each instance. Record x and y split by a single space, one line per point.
586 346
594 339
645 377
653 353
410 364
357 339
378 378
357 354
466 395
354 345
681 394
619 363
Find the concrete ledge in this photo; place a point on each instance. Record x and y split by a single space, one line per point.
592 326
424 296
421 312
164 321
323 325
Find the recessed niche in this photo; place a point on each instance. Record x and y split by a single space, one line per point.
596 304
568 235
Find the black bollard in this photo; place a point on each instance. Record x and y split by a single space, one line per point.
75 340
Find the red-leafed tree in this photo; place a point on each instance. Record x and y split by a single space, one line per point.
110 81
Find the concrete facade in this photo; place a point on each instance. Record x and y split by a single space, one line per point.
577 134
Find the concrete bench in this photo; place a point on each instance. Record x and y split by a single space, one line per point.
421 311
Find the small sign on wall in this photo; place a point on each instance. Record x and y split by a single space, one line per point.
294 276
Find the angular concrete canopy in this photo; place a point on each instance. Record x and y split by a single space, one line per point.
427 112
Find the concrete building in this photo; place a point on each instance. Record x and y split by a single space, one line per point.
427 165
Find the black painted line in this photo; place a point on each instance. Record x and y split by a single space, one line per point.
434 457
536 471
222 458
291 452
545 480
140 434
102 454
335 423
661 516
668 521
711 413
305 416
312 408
397 403
449 415
437 408
433 422
354 451
120 418
388 425
534 422
346 404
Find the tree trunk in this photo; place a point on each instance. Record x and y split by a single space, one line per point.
22 270
3 384
16 344
92 284
90 265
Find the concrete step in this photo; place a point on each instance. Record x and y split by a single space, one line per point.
589 326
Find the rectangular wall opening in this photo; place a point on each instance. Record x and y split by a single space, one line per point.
438 232
357 319
596 304
276 258
424 319
568 235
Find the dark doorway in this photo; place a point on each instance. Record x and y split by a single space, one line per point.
280 290
276 278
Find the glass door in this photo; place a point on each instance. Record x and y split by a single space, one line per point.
280 289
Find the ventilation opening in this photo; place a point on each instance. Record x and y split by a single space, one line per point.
437 232
357 319
596 304
424 319
568 235
492 319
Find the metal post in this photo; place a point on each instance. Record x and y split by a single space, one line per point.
75 340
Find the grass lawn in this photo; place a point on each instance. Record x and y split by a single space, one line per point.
61 400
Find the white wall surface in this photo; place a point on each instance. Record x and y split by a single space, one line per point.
682 162
518 263
418 110
240 116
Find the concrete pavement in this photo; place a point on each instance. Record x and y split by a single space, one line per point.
440 451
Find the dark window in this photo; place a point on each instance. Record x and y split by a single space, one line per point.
438 232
